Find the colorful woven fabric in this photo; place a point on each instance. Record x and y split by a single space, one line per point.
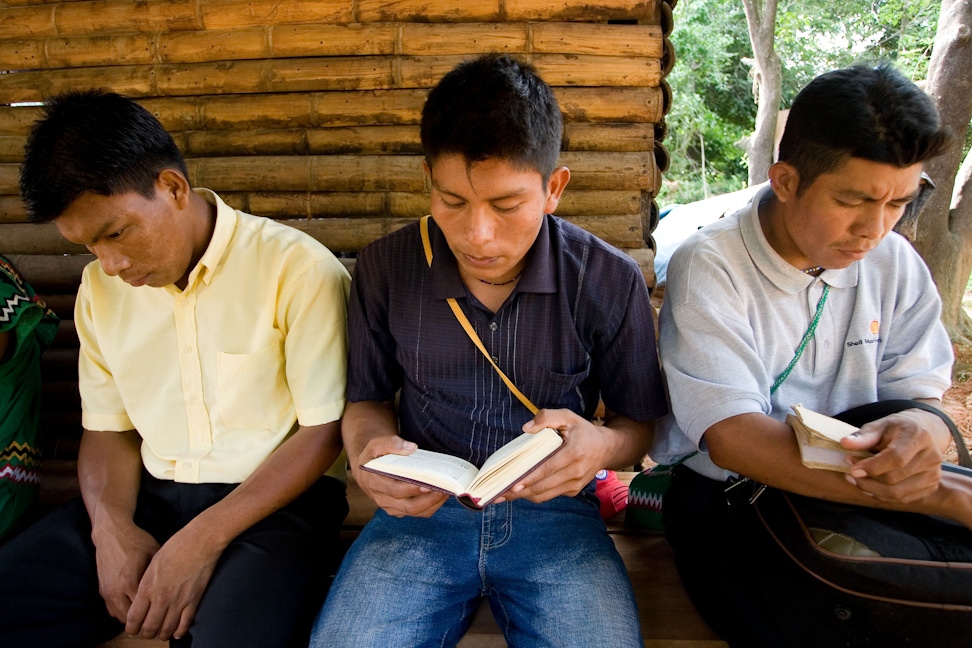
31 327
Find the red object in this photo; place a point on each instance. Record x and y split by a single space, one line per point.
612 493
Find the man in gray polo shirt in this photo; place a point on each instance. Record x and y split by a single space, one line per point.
742 293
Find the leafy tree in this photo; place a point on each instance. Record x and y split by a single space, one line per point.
713 85
713 107
945 227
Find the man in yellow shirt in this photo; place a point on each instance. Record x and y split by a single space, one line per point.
212 374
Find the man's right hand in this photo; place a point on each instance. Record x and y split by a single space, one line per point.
396 497
122 557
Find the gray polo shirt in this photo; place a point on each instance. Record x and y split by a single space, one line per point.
735 312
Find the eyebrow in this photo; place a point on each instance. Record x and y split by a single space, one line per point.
512 194
100 233
860 195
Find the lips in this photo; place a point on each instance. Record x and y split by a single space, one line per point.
140 281
480 262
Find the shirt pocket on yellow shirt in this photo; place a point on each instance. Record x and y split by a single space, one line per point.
252 389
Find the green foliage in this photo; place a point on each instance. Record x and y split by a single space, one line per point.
713 87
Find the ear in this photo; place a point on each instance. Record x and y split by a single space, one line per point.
555 188
172 184
785 180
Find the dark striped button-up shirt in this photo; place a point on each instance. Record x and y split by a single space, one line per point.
578 328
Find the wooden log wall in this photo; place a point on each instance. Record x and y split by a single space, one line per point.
308 111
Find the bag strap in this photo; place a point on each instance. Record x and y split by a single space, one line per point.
805 341
862 414
467 327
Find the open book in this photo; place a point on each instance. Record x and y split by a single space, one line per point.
819 438
474 487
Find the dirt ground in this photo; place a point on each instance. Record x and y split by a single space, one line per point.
958 399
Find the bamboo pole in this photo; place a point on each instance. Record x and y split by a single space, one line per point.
220 14
309 173
12 210
590 170
366 108
438 39
590 11
618 137
317 40
311 74
645 41
403 204
35 239
367 140
429 10
236 77
49 273
556 69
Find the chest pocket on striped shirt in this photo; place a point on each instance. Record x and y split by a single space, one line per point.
555 389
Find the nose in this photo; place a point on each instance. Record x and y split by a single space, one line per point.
480 226
875 223
112 262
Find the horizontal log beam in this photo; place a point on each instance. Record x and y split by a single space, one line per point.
513 10
590 171
362 140
331 40
48 267
53 265
338 73
100 16
409 205
366 108
220 14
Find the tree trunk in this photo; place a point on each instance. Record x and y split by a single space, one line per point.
761 21
944 237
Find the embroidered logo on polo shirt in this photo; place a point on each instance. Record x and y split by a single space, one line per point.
874 327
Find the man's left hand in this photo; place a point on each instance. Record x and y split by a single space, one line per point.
907 464
571 468
172 586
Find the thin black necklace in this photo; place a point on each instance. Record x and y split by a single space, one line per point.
813 271
504 283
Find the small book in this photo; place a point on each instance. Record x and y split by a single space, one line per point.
474 487
819 438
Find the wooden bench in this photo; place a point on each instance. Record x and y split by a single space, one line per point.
668 618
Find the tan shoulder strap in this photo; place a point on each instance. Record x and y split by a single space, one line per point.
470 331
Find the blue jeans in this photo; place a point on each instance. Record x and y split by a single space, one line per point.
550 572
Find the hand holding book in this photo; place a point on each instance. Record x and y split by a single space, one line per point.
473 487
819 439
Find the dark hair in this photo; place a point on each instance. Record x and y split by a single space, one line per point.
493 106
873 113
92 141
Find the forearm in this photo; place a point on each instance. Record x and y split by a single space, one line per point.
364 421
629 440
290 470
109 473
764 449
756 446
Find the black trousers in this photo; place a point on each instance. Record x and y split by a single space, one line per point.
738 578
265 591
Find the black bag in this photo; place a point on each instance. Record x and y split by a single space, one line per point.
868 577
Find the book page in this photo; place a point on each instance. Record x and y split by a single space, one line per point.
512 461
820 452
823 425
434 468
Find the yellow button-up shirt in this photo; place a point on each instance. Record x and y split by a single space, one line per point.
216 376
